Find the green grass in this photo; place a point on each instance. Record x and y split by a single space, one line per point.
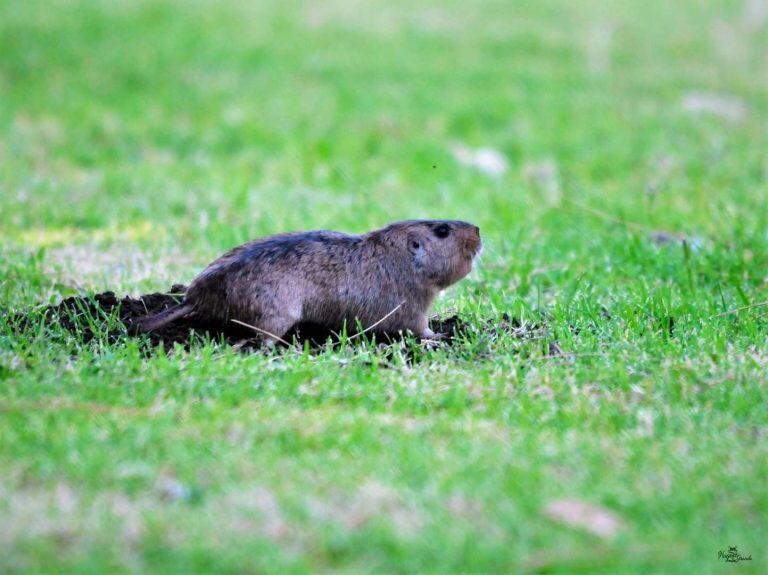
139 140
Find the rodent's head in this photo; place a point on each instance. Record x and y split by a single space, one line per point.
441 251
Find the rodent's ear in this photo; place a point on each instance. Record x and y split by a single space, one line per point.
415 244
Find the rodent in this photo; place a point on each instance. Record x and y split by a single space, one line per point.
332 279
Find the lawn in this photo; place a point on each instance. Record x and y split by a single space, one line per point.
621 190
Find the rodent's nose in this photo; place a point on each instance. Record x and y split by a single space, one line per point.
472 240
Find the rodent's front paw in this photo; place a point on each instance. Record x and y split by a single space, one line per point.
429 334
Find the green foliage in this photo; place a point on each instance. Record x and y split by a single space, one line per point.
138 140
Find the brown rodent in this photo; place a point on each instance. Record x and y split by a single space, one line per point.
332 279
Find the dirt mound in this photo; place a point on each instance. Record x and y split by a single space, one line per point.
107 317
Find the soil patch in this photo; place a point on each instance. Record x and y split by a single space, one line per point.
107 317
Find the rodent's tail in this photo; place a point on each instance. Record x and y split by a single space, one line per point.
153 322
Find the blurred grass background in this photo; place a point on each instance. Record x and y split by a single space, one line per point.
138 140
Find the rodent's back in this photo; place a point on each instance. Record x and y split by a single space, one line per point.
337 277
249 275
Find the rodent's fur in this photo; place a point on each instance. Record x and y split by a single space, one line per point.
333 279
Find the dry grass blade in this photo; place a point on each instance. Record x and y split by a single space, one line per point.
740 309
58 405
261 331
564 356
608 217
592 518
370 327
656 235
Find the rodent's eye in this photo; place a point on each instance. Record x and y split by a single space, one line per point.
442 231
415 245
